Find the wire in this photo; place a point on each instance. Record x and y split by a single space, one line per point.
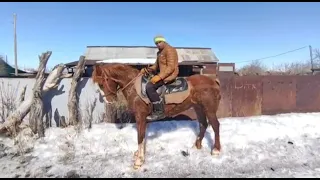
274 55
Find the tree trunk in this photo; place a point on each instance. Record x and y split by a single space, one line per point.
73 99
36 109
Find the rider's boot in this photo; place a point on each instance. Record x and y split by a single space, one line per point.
157 111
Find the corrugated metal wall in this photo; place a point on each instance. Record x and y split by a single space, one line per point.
266 95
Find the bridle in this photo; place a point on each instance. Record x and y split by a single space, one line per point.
111 92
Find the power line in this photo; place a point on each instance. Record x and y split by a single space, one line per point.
274 55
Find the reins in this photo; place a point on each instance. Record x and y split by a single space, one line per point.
130 82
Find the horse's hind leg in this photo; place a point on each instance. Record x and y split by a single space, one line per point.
213 120
210 101
203 124
216 128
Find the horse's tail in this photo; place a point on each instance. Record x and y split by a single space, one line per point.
216 89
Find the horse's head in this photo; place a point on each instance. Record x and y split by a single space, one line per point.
108 85
112 76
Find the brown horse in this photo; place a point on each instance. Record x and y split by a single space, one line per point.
204 97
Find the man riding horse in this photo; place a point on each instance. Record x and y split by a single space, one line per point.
166 69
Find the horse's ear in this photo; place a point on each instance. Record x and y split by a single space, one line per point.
94 75
95 67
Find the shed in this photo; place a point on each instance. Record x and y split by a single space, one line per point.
188 56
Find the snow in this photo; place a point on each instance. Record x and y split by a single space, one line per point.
284 145
130 60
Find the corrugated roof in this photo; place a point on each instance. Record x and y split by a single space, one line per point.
7 70
112 52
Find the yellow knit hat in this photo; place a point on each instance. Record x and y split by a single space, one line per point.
159 38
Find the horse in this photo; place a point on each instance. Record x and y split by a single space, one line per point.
200 92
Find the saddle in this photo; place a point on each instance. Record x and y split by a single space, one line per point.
178 85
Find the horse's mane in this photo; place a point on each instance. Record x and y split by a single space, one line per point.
115 70
120 70
96 74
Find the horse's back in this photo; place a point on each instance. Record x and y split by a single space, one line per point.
203 80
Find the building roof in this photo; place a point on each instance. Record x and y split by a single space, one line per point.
101 53
7 70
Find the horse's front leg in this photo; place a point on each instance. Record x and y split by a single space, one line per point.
141 132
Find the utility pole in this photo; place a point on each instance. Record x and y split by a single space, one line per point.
15 43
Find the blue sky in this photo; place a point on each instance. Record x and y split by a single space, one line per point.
236 32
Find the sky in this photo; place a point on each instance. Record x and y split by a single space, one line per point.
236 32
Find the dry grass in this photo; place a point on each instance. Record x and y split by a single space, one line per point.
114 113
24 140
118 112
67 149
123 113
8 99
87 115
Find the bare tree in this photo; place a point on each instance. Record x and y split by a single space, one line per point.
293 68
41 86
316 58
316 53
254 68
36 109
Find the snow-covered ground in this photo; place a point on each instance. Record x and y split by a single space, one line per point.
286 145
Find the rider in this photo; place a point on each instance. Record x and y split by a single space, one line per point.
166 69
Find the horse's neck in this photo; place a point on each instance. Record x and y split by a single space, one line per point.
126 84
124 80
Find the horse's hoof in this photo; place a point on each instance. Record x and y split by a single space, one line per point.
197 145
138 163
215 152
136 167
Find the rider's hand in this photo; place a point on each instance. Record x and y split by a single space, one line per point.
155 79
143 71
